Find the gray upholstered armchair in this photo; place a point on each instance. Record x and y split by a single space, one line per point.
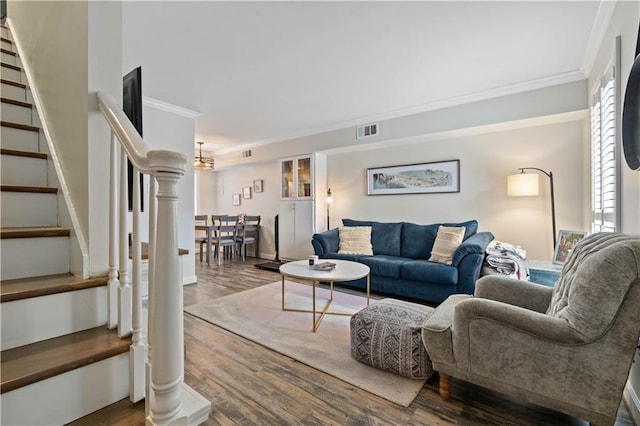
568 348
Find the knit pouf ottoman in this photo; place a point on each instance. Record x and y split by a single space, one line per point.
387 335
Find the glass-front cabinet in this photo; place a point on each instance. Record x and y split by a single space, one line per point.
296 175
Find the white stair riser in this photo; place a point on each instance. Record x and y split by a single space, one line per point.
15 113
23 140
69 396
32 257
7 45
10 59
13 75
39 318
5 33
13 92
24 171
20 209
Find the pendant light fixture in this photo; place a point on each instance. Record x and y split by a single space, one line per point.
202 163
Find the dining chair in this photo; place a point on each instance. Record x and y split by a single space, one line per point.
201 219
247 233
226 235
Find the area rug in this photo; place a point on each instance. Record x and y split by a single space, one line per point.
257 315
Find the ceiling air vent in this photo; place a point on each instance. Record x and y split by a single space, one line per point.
246 154
367 130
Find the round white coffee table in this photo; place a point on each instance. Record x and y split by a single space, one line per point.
345 270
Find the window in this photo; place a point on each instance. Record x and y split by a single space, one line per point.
604 156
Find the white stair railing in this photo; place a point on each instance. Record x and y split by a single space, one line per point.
158 375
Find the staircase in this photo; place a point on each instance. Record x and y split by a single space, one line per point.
59 360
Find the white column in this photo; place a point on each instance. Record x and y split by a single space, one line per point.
167 336
153 202
137 350
112 285
124 291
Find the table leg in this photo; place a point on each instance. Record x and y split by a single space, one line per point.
209 249
368 287
315 326
283 292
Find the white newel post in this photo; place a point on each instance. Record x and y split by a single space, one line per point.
112 286
153 203
137 350
166 302
124 291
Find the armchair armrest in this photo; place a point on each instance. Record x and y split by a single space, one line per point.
485 332
326 242
514 292
514 318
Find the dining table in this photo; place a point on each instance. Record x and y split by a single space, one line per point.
211 231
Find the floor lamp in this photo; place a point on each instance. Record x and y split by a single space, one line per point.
524 184
329 200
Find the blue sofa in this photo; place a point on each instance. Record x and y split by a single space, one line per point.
399 264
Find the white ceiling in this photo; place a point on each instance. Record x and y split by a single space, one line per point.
269 71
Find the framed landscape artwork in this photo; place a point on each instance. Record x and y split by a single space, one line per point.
567 240
423 178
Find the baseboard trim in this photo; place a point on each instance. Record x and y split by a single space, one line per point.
632 402
193 279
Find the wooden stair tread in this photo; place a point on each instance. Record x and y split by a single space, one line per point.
34 232
16 102
28 364
19 153
36 189
13 83
13 67
8 52
20 126
24 288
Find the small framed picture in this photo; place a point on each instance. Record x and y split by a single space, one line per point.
246 192
257 185
567 240
235 199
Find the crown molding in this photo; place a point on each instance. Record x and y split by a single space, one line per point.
165 106
598 31
553 80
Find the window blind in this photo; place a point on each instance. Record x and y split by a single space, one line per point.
603 155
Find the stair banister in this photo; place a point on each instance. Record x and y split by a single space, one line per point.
168 399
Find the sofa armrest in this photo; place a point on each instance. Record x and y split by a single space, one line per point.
475 244
514 292
326 242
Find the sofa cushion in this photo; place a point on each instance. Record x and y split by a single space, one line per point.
385 237
470 227
446 244
417 240
355 240
423 270
385 266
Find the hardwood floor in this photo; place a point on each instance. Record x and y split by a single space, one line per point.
251 385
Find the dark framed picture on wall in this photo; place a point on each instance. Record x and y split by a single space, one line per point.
235 199
246 192
423 178
257 185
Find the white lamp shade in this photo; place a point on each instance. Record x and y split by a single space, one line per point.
523 184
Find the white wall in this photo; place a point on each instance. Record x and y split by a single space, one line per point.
167 130
485 162
215 190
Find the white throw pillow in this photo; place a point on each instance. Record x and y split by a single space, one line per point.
446 244
355 240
